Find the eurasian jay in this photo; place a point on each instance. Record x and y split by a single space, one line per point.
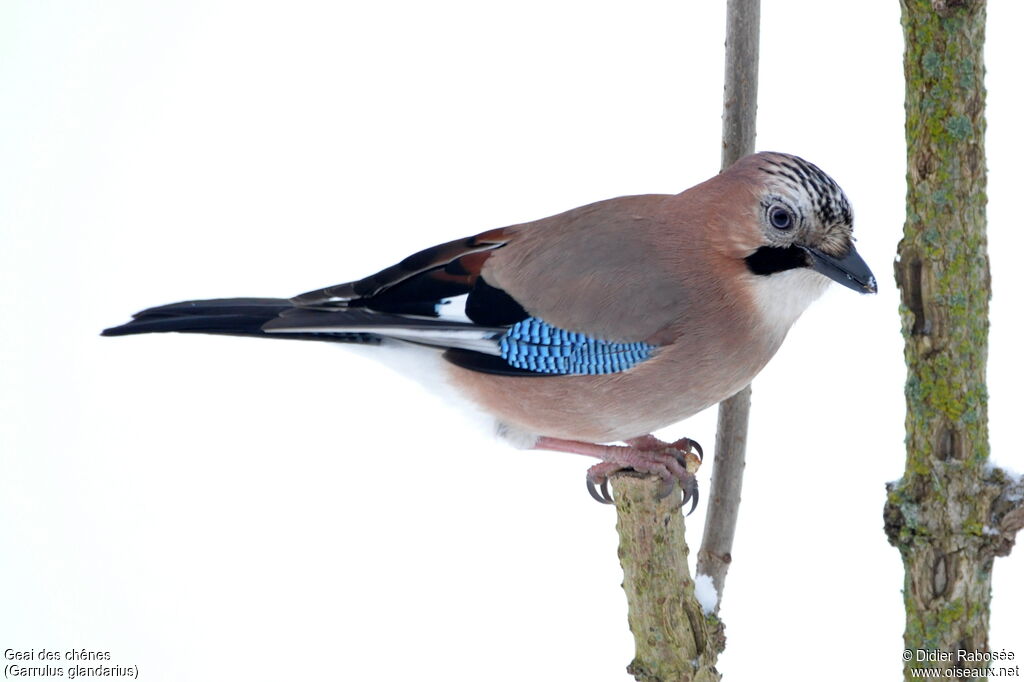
597 325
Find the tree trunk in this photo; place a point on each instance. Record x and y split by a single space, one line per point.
951 513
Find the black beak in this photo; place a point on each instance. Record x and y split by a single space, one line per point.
850 270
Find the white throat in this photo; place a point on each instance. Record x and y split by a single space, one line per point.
782 297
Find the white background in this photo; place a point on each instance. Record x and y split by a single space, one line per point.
221 508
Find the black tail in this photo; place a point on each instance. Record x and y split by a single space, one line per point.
230 316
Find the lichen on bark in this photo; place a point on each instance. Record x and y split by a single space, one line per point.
675 640
945 513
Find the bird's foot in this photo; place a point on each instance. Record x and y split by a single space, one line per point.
675 462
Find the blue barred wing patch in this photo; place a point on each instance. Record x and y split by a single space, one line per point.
535 345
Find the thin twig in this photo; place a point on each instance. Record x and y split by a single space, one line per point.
739 110
739 117
715 553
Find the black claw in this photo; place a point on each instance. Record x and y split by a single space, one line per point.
605 496
686 496
698 448
696 496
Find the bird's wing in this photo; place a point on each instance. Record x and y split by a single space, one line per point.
621 269
441 297
435 297
432 274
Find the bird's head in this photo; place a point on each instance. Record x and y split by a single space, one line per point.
804 220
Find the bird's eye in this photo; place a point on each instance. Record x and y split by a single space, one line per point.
780 218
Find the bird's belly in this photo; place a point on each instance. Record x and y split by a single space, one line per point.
666 389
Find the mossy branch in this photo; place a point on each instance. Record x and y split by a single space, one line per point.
951 513
675 640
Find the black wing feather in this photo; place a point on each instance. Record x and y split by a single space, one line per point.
398 302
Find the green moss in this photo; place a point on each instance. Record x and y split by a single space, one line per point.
919 466
952 612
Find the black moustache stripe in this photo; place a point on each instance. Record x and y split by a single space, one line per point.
768 260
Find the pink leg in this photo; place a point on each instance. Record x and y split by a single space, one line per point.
673 462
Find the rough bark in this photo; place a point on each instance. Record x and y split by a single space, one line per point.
675 642
951 513
739 117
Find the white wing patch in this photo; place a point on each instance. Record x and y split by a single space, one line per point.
453 309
